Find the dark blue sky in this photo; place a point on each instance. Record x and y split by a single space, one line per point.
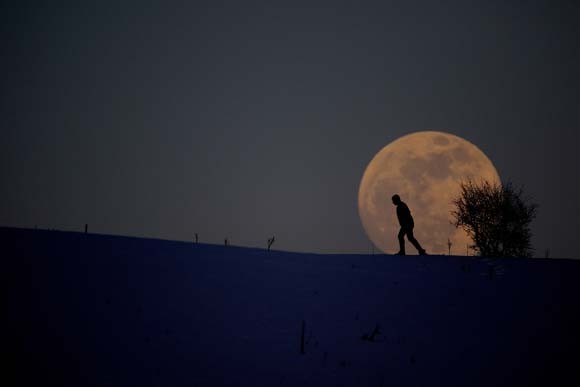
249 119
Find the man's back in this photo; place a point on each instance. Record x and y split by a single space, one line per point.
404 215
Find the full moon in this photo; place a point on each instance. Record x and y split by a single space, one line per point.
425 169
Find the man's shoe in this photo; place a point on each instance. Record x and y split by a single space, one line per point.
400 253
423 252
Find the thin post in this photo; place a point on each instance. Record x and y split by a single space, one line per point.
270 242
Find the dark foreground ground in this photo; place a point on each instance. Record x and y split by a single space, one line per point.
98 310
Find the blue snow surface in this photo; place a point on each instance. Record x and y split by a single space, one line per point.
101 310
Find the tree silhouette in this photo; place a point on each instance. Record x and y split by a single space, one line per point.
496 217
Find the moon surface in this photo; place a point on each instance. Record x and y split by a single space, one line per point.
425 169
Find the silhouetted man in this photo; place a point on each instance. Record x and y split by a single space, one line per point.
407 225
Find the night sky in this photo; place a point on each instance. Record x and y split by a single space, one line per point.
249 119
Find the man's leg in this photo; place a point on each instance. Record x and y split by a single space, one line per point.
401 237
414 241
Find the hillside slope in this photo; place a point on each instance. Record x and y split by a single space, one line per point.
98 310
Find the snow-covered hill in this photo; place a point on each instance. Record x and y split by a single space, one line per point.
98 310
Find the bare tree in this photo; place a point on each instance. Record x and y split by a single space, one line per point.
497 217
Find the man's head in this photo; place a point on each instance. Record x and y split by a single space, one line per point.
396 199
